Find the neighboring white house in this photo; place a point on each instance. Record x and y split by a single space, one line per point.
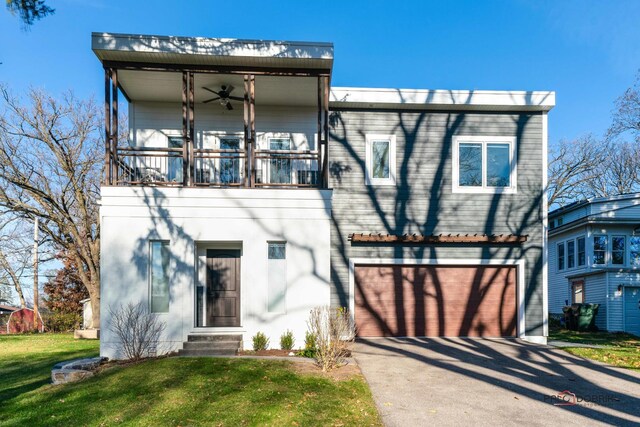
246 190
594 257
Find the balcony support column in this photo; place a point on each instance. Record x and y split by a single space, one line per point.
114 126
191 140
245 106
185 131
319 137
252 128
107 126
325 157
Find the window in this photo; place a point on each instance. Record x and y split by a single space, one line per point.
561 256
617 250
484 165
571 254
599 250
280 164
582 252
277 277
380 160
634 251
577 292
230 164
175 161
159 275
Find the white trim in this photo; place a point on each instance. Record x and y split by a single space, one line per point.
484 140
460 99
369 179
518 263
545 228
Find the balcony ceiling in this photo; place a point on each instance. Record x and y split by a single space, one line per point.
162 86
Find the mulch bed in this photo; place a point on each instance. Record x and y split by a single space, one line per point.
274 352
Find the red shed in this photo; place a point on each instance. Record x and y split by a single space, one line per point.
22 321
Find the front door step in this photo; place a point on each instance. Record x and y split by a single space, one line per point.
211 345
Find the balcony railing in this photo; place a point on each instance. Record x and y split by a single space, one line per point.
217 168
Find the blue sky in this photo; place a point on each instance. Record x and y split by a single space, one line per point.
587 51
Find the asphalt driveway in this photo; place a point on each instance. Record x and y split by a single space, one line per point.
447 381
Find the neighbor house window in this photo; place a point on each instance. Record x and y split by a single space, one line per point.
159 275
571 254
277 279
577 292
561 256
599 250
582 251
484 164
634 251
617 250
380 160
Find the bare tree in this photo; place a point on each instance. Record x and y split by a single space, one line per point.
626 117
50 168
29 11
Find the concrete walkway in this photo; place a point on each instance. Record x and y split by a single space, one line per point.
457 382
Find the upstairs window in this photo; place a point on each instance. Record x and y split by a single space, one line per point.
617 250
484 165
380 160
600 250
571 254
561 256
634 251
582 251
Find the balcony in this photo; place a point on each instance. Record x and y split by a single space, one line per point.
215 113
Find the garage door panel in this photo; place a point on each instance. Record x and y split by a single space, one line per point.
435 300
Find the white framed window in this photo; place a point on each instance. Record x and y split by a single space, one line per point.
634 251
571 253
484 164
618 248
277 277
582 251
600 244
560 256
159 276
380 158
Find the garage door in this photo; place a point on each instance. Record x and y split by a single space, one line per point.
403 300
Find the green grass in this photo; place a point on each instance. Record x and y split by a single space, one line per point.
188 392
620 349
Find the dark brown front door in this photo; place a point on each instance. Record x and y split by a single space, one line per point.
421 300
222 295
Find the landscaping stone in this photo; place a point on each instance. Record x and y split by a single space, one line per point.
75 370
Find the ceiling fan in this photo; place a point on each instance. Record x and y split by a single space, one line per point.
224 95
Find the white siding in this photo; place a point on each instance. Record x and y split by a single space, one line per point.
558 280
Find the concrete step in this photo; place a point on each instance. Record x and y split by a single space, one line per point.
211 345
204 353
216 337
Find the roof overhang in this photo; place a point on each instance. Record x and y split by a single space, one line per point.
201 51
425 99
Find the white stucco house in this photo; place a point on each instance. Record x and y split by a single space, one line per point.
246 190
594 257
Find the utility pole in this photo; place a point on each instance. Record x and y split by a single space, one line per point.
36 314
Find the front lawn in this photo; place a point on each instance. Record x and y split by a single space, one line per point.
195 391
619 349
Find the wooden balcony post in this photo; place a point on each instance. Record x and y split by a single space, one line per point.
114 125
185 131
107 126
246 107
252 127
191 141
325 157
319 133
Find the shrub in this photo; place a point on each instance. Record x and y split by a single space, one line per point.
287 341
260 342
61 322
333 330
138 330
309 346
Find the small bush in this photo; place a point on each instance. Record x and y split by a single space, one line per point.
62 322
260 342
334 330
287 340
137 329
309 349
